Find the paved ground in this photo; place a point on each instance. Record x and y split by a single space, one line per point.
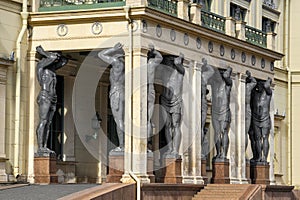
39 192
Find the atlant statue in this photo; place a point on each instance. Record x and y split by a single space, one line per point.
154 59
250 84
172 102
46 75
115 57
221 116
207 73
261 121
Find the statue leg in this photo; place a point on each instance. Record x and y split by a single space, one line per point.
176 121
150 105
118 114
258 142
253 144
225 140
44 107
217 136
49 122
168 133
247 124
265 135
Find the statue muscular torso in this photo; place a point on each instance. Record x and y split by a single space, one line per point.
261 108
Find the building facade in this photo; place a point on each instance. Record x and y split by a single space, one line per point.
260 36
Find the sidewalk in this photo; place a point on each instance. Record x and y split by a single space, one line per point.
40 192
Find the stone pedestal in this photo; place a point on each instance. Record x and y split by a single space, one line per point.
150 168
45 169
248 171
116 167
259 173
3 175
203 171
220 172
172 170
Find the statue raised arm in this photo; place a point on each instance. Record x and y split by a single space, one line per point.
46 75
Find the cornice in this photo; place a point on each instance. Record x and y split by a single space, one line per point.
138 13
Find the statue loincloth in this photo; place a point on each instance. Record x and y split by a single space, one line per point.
45 97
259 122
172 106
224 116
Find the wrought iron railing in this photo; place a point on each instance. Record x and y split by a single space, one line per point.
49 5
256 36
166 6
213 21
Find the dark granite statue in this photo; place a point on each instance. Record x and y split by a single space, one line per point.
206 73
261 121
250 84
46 75
115 57
221 115
171 100
154 59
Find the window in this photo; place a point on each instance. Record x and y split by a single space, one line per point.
268 25
205 4
237 12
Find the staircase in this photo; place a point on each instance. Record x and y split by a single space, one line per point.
229 192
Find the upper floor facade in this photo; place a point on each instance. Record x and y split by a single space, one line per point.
256 22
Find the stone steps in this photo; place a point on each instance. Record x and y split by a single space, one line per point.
224 192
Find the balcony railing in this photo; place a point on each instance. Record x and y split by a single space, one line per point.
166 6
213 21
256 36
55 5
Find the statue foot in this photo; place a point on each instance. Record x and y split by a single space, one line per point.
45 152
118 149
172 154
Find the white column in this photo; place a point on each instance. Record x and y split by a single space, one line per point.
240 30
3 159
103 160
230 26
183 9
133 3
192 161
196 13
33 114
233 131
271 139
127 118
241 123
271 40
139 115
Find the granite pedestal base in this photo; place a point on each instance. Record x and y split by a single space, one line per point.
259 173
220 172
248 171
45 169
116 168
203 171
172 170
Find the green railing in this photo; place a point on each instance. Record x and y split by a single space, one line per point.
213 21
256 36
56 5
166 6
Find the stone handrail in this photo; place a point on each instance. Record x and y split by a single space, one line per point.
166 6
58 3
213 21
256 36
